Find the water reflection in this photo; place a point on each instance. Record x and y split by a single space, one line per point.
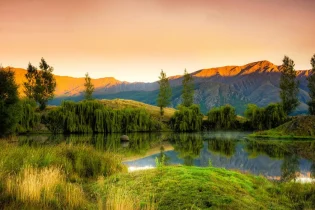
188 146
281 160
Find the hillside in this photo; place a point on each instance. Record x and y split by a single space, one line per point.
256 82
153 110
298 127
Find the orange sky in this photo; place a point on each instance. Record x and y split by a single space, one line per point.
133 40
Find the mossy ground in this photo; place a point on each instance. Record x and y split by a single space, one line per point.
203 188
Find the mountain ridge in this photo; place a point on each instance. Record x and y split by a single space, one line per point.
256 82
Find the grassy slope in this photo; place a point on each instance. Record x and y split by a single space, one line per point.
76 177
298 127
153 110
201 188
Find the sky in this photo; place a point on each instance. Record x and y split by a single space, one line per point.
132 40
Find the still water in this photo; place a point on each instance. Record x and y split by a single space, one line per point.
274 159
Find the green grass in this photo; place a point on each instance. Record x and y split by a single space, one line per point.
299 127
204 188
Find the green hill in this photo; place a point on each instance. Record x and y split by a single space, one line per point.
297 127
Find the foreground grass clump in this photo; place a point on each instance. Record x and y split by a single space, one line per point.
200 188
55 177
300 127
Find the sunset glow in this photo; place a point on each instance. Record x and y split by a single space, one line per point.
134 40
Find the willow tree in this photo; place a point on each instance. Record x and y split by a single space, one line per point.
188 90
187 119
93 117
268 117
311 87
164 97
9 102
223 117
289 87
89 88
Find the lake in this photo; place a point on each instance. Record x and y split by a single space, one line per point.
274 159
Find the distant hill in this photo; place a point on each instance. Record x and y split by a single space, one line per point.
153 110
256 82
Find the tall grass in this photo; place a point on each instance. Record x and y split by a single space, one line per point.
52 176
46 186
123 198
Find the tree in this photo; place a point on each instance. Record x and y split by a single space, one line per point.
40 84
188 90
89 87
289 86
311 87
29 85
9 102
165 93
45 84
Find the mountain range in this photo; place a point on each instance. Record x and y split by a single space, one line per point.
256 82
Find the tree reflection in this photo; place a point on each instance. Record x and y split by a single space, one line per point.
188 146
290 167
225 147
312 170
272 149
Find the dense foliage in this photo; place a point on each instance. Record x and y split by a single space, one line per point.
187 119
165 93
223 117
265 118
9 102
89 88
29 118
93 116
188 90
311 87
289 86
40 84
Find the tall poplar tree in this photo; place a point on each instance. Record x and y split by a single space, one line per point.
311 87
29 85
89 88
188 90
289 87
45 84
164 97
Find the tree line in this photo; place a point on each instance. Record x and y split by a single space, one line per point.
22 115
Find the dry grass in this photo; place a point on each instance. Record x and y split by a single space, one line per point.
122 199
153 110
44 186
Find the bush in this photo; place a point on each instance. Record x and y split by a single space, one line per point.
187 119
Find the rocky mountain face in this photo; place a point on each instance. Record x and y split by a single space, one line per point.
256 82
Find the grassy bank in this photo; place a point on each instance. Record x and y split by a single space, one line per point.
299 127
201 188
80 177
